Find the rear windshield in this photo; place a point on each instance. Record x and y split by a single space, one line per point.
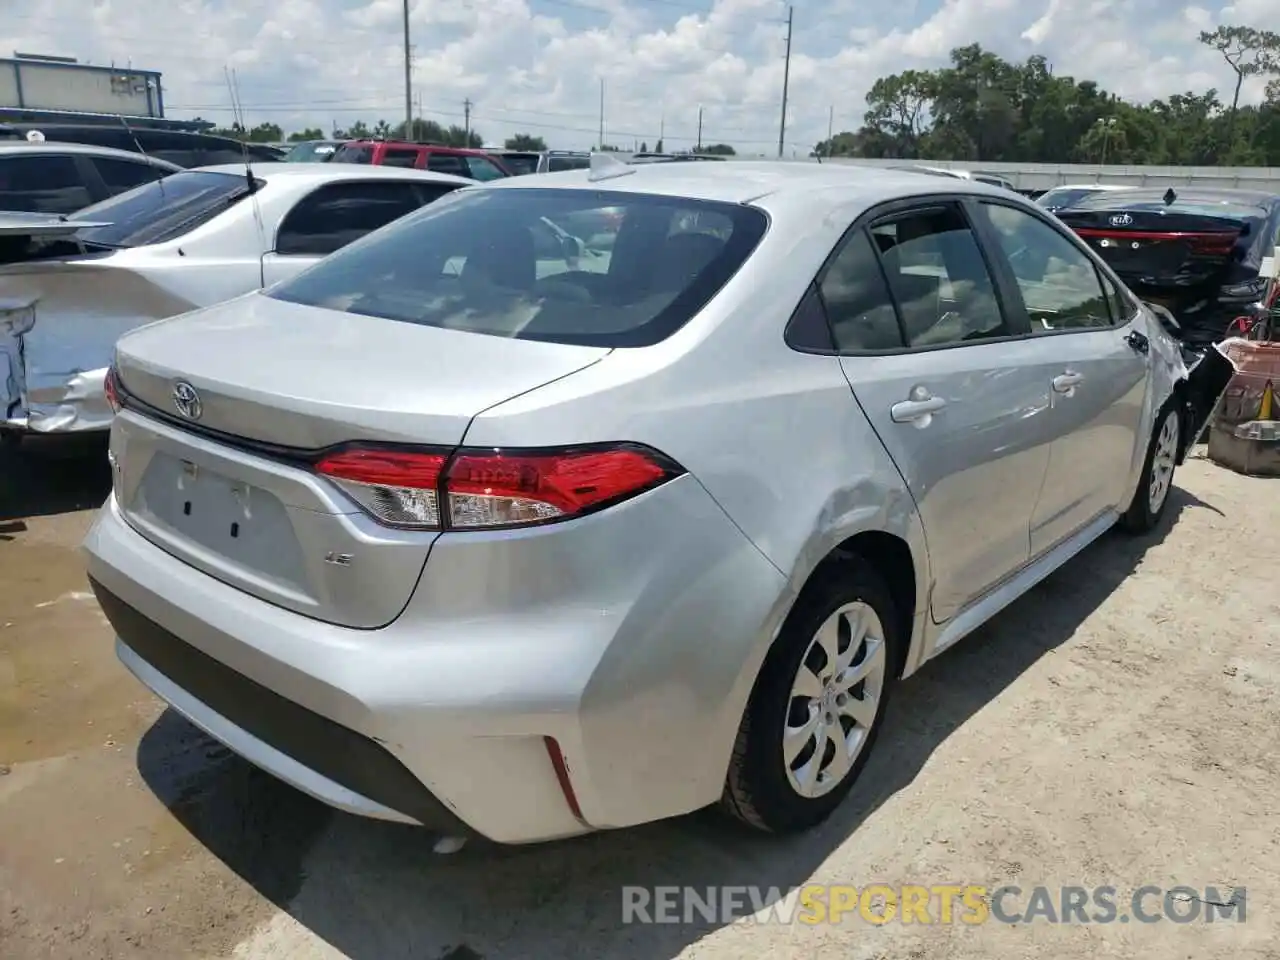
568 266
352 153
557 164
163 210
1224 207
311 153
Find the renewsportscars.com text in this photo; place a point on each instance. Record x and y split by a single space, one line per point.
968 904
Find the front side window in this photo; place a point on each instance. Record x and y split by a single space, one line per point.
447 163
163 210
1058 281
339 213
509 263
42 184
938 278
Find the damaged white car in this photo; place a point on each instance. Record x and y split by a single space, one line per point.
71 285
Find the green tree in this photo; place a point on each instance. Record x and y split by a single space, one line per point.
310 133
525 141
719 150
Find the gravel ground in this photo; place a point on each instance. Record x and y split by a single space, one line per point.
1116 727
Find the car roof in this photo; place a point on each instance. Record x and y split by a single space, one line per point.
8 147
1092 186
746 180
320 172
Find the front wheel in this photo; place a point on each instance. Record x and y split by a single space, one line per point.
818 704
1152 496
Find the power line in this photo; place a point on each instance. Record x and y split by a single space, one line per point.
786 79
408 73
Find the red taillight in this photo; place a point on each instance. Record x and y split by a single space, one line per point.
111 387
492 489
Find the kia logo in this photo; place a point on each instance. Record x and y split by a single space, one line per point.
1121 220
186 401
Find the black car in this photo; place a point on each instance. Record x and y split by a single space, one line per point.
185 149
1198 252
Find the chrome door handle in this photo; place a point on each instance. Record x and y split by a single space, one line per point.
1067 382
918 410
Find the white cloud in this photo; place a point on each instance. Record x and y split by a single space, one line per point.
537 65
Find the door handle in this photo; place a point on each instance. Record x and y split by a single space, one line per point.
919 410
1067 382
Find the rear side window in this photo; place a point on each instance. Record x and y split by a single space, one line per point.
447 163
938 278
557 164
507 264
339 213
1059 284
42 184
858 302
121 175
521 163
400 157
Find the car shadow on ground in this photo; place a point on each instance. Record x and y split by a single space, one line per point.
375 891
44 476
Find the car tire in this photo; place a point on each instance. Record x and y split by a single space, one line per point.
773 784
1151 498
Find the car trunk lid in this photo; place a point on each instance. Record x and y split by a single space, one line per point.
226 484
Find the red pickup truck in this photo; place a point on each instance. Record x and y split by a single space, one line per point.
459 161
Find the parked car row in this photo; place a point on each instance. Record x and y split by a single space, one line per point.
468 528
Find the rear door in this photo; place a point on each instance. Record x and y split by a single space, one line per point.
942 370
335 214
1086 352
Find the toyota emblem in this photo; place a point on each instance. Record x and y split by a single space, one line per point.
1121 220
186 401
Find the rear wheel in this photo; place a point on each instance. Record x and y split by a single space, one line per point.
817 706
1152 496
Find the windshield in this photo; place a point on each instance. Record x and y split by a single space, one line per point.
315 152
520 163
568 266
162 210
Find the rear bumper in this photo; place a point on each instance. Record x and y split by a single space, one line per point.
630 639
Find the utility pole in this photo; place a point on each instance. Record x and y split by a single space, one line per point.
662 132
698 148
466 113
600 145
831 125
786 80
408 78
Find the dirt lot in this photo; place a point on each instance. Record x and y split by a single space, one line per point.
1116 727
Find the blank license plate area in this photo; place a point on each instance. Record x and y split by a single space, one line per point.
236 521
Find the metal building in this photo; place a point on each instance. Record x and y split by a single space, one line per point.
36 83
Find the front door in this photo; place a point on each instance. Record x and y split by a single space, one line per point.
1091 355
941 371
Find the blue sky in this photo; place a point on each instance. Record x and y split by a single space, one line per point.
536 65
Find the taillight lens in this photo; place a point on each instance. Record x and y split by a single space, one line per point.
492 489
111 387
398 488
